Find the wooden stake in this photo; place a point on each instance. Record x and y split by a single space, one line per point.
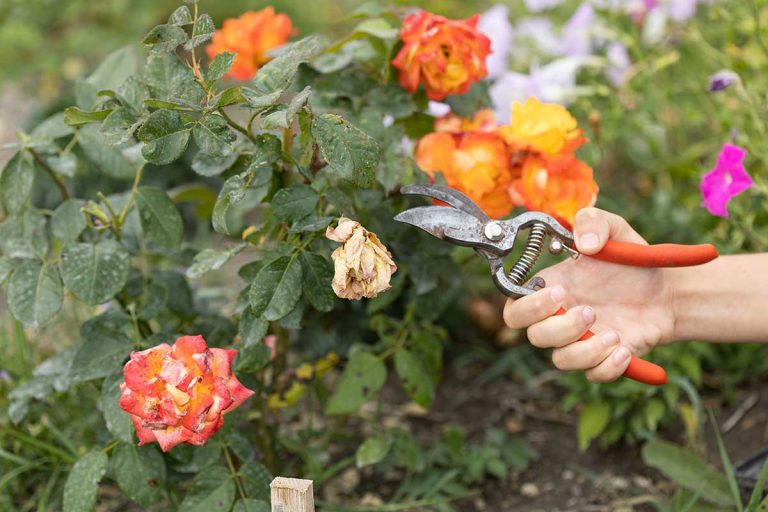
292 495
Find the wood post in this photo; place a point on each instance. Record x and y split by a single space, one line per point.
292 495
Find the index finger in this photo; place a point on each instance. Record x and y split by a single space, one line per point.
525 311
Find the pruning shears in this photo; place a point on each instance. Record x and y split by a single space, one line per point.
462 222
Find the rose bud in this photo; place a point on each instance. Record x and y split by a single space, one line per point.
363 266
178 394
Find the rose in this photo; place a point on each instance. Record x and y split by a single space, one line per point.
475 163
363 266
542 127
559 185
447 56
251 36
178 394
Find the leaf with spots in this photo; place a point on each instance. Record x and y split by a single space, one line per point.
414 377
16 182
34 293
95 272
276 288
160 219
211 491
82 487
363 377
351 153
140 472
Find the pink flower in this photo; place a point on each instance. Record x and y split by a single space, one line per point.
726 180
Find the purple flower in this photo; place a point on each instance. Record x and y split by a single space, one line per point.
541 5
618 63
495 24
576 36
727 180
722 80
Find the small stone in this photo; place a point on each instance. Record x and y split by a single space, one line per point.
529 490
348 480
514 425
479 504
371 499
414 410
568 474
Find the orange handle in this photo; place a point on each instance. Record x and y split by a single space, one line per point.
638 369
660 255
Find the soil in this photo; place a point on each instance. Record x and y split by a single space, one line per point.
563 479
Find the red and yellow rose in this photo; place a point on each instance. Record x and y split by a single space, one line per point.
447 56
251 36
178 394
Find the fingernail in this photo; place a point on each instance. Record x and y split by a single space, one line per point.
588 241
557 293
588 314
620 355
609 339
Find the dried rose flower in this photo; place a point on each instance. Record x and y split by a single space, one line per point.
363 266
178 394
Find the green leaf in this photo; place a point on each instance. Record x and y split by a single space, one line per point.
203 31
256 478
220 65
415 378
252 328
294 202
211 259
592 421
105 348
95 272
164 135
229 96
7 265
730 474
117 420
169 79
255 180
181 16
111 73
160 219
310 224
373 450
119 126
251 505
213 135
110 160
277 74
24 236
52 128
276 289
363 377
688 470
35 293
165 38
252 358
68 221
82 487
316 282
210 165
16 182
73 116
139 472
350 153
211 491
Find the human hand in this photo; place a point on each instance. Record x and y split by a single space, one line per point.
630 309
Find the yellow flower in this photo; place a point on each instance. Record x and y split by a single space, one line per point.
288 397
323 366
543 127
304 371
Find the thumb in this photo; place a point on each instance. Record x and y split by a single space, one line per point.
593 227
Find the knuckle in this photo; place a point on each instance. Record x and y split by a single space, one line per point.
534 337
600 375
560 360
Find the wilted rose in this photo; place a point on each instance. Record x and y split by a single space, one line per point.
363 266
178 394
251 36
447 56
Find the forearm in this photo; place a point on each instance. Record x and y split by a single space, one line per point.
725 300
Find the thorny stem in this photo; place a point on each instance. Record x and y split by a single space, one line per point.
44 165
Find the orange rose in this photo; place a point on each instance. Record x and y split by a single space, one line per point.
251 36
476 163
484 121
178 394
544 127
559 185
447 56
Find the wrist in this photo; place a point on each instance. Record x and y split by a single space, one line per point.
685 303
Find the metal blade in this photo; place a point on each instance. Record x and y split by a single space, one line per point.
436 220
447 195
